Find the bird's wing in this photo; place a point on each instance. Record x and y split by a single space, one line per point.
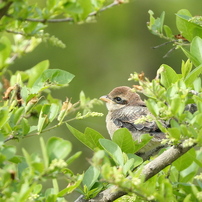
127 116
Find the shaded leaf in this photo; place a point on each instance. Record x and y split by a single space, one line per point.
185 160
58 148
145 139
71 187
113 150
90 177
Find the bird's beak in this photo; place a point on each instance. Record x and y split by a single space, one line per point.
105 98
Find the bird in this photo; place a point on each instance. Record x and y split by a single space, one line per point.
125 107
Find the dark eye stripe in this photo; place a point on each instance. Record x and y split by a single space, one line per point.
119 100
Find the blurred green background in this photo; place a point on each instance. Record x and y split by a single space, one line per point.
102 55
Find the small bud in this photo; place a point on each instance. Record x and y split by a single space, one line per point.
188 142
31 104
66 106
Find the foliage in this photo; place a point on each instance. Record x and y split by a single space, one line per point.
28 109
173 98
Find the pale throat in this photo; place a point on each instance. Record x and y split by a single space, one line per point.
111 106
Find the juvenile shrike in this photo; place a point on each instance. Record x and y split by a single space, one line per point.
125 107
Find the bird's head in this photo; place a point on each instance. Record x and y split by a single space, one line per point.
120 97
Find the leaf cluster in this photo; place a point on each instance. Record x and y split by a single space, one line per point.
28 109
174 100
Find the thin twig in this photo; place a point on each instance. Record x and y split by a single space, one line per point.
4 10
163 44
94 13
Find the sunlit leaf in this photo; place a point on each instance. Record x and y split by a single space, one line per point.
36 71
3 116
90 137
123 138
186 27
52 78
186 67
168 31
5 50
193 75
168 75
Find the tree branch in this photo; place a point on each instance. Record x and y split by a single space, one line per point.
115 3
164 160
4 10
149 170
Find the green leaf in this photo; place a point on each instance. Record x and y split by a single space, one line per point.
28 159
177 105
128 165
54 109
25 191
36 71
5 51
18 113
73 157
43 117
198 101
196 49
190 78
44 152
90 177
174 133
156 25
185 160
197 84
8 151
37 188
137 160
153 107
55 186
25 126
186 67
168 31
195 54
86 7
168 75
71 187
57 148
191 57
90 137
50 195
123 138
151 19
4 116
186 27
53 77
113 150
145 139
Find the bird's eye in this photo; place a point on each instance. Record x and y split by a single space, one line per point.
118 99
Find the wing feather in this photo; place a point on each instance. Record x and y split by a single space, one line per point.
130 114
